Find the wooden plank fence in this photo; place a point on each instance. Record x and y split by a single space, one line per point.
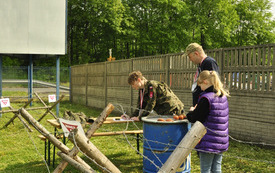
246 71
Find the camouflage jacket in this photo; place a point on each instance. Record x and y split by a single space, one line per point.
158 97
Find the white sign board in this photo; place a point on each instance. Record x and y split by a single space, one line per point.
68 126
5 102
51 98
33 27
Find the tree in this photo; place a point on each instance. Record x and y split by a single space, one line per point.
255 25
212 22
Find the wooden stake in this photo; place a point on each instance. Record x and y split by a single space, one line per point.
91 151
27 109
75 163
98 122
184 148
16 114
49 136
48 110
45 104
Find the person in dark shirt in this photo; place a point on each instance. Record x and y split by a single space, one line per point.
197 55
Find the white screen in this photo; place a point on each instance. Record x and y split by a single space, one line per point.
33 27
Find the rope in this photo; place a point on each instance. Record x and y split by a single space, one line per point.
36 147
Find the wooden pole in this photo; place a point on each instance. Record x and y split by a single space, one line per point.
75 163
96 124
50 108
27 109
44 104
91 151
184 148
16 113
49 136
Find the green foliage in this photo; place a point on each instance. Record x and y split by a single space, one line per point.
136 28
148 27
255 25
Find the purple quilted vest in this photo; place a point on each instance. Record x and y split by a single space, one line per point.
216 139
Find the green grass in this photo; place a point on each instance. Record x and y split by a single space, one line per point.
18 153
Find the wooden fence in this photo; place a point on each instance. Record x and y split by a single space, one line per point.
246 71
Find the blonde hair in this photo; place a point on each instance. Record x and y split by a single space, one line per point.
214 79
134 77
194 47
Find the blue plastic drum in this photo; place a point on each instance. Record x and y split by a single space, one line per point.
160 140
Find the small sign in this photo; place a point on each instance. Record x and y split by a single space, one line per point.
5 102
68 125
51 98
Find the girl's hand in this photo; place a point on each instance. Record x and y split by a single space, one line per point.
193 108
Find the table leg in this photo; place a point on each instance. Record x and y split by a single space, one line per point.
138 143
49 153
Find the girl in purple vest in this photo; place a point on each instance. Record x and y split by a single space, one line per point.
212 111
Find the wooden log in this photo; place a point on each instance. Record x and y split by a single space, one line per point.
54 123
75 163
24 123
92 152
184 148
118 133
49 109
98 122
20 118
109 120
27 109
39 98
49 136
17 113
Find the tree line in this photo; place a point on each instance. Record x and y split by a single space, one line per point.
136 28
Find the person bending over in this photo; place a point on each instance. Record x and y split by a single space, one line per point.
153 95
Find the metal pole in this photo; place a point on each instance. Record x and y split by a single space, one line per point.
1 81
57 83
30 76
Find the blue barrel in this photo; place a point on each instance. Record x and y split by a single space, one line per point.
160 140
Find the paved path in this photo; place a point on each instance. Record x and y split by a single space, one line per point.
34 82
38 90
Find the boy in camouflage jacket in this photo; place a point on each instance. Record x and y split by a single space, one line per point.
153 95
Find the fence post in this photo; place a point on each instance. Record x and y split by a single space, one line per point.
105 83
86 84
167 70
70 83
222 64
131 91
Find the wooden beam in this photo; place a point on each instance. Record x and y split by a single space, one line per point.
75 163
184 148
45 104
49 109
96 124
92 152
49 136
17 113
118 133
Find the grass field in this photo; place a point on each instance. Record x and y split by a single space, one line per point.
23 152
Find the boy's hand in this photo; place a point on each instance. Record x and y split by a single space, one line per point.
125 117
135 118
